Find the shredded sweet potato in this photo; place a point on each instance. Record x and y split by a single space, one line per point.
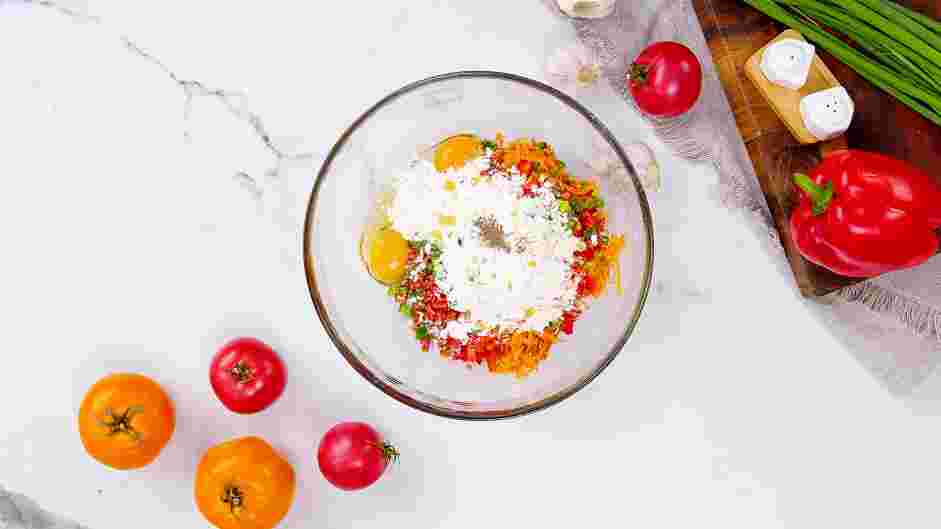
603 263
522 352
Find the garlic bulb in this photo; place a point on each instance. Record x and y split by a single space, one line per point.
827 113
787 62
586 8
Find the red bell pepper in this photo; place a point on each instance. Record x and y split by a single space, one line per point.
862 214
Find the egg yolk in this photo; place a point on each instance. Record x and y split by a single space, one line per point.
386 254
457 151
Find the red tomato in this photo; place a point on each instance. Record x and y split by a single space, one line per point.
247 375
353 456
666 79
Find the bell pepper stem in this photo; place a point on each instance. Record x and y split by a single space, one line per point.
820 196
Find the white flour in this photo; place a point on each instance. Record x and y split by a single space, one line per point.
526 284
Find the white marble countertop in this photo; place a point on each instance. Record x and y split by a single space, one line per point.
145 218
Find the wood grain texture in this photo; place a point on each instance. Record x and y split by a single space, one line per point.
784 101
735 31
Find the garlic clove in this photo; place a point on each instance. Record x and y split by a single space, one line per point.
586 8
827 113
787 62
645 164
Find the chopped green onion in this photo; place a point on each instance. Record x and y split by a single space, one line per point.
421 332
565 206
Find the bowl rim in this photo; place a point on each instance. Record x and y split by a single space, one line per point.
389 390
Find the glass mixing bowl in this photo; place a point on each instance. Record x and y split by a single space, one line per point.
363 321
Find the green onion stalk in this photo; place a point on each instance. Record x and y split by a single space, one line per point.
896 49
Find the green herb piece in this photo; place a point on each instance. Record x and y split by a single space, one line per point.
406 309
434 253
573 224
565 206
579 205
487 144
421 332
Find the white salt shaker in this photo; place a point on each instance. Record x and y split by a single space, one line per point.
787 62
827 113
586 8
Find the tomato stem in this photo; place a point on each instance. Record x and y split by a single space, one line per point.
234 497
638 73
121 423
389 452
242 372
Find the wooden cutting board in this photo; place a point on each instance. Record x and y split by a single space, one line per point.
734 32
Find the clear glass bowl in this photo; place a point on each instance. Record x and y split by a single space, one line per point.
362 320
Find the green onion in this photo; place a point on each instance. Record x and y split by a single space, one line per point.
925 27
915 16
565 206
879 45
899 49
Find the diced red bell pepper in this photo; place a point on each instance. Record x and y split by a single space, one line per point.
525 167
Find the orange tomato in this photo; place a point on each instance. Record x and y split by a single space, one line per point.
244 484
125 420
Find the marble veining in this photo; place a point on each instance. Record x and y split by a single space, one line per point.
151 210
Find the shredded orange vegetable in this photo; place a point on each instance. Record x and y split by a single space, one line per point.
522 352
601 265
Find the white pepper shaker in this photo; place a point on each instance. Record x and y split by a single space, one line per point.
787 62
